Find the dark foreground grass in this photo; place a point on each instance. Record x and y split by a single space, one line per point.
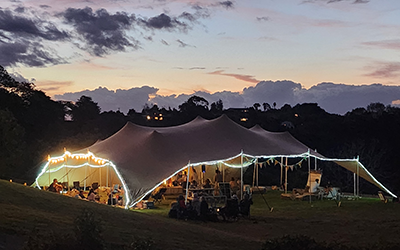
25 210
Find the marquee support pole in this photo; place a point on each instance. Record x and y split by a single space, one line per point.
84 182
309 173
108 166
241 175
100 176
355 184
187 182
281 170
254 171
286 169
66 163
258 168
315 161
223 171
358 177
48 168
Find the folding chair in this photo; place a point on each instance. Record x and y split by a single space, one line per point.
382 197
157 197
303 194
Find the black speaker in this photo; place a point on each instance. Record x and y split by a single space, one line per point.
203 168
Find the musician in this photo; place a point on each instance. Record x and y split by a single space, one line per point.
55 186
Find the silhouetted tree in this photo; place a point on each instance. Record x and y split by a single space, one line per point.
85 109
256 106
193 107
266 106
12 145
217 108
6 80
376 109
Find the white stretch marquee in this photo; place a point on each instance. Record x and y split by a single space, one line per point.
145 156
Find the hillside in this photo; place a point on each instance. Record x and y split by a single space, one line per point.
23 209
362 223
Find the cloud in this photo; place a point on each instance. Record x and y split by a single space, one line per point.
51 86
246 78
20 78
27 53
24 27
21 40
334 98
183 45
191 68
97 32
336 1
120 99
188 16
262 19
201 11
164 42
340 98
385 70
163 21
227 4
102 32
20 9
385 44
329 23
396 103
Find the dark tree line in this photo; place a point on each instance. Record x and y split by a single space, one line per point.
32 125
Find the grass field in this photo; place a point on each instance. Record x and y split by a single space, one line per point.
362 222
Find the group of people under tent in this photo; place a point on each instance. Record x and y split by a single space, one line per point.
113 196
181 179
198 208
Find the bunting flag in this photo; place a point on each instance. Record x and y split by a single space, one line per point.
292 167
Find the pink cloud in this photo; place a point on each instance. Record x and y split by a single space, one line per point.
385 44
246 78
385 70
396 102
53 87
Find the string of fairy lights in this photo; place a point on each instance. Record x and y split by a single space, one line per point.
91 160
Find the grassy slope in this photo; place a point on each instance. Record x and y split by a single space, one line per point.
357 222
24 208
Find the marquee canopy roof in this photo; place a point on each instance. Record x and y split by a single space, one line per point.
145 156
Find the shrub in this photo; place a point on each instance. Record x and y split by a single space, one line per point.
142 244
88 231
48 240
293 242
